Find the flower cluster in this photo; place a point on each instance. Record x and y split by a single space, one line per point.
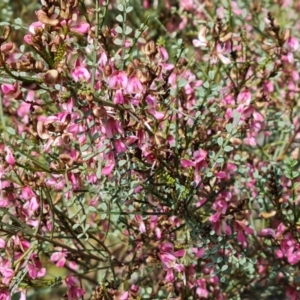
146 171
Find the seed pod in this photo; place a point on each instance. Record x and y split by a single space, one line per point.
51 76
6 34
42 17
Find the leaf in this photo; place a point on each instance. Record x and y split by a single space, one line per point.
122 163
119 18
85 147
228 148
120 7
181 83
11 131
129 9
128 30
220 141
229 127
206 84
224 268
119 29
18 21
118 42
211 74
236 117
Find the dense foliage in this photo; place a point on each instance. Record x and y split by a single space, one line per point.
148 150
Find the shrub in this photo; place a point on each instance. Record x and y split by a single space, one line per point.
149 151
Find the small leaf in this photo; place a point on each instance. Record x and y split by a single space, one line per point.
129 9
228 148
128 30
224 268
220 141
118 42
118 29
225 3
85 147
209 265
11 131
137 33
18 21
103 206
229 127
211 74
93 209
236 117
75 226
122 163
181 83
120 7
119 18
99 171
206 84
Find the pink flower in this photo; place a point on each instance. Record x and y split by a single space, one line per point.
59 257
220 51
201 289
113 127
74 292
110 164
35 269
9 158
134 85
244 97
5 294
201 41
267 232
199 163
119 98
80 73
118 80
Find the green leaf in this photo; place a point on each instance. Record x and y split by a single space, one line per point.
122 162
220 141
224 268
206 84
118 29
103 206
225 3
11 131
229 127
92 209
236 117
228 148
128 30
119 18
85 147
18 21
181 83
118 42
129 9
211 74
209 265
120 7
